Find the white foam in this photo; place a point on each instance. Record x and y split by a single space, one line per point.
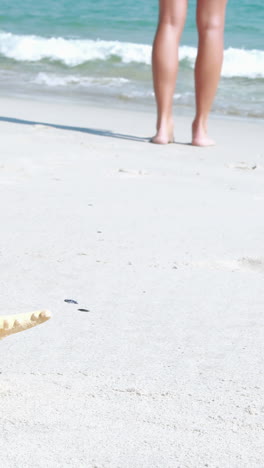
243 63
73 52
53 80
237 62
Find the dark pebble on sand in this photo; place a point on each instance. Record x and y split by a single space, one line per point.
70 301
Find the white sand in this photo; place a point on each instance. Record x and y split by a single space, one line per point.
165 246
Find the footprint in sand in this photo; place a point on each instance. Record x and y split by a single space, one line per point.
253 264
132 173
243 264
243 166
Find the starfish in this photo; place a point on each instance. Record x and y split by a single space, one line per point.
10 324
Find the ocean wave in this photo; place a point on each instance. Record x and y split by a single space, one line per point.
243 63
238 63
53 80
74 52
71 52
122 86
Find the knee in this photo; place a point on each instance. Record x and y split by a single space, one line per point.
169 20
210 25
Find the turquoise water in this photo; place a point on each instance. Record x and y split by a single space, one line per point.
101 50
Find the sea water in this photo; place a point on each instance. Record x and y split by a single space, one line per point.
87 49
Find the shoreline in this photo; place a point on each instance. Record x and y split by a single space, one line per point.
121 105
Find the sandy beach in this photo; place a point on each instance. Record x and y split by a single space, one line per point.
163 246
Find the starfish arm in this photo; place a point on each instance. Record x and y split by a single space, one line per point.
10 324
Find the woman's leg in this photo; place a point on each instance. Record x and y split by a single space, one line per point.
210 25
165 64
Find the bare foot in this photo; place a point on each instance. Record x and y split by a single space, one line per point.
200 137
162 139
164 134
10 324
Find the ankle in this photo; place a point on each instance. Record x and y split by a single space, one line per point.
199 134
166 123
199 128
199 124
164 132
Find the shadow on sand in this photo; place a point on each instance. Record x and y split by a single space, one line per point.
91 131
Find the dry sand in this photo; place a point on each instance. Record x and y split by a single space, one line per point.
164 246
